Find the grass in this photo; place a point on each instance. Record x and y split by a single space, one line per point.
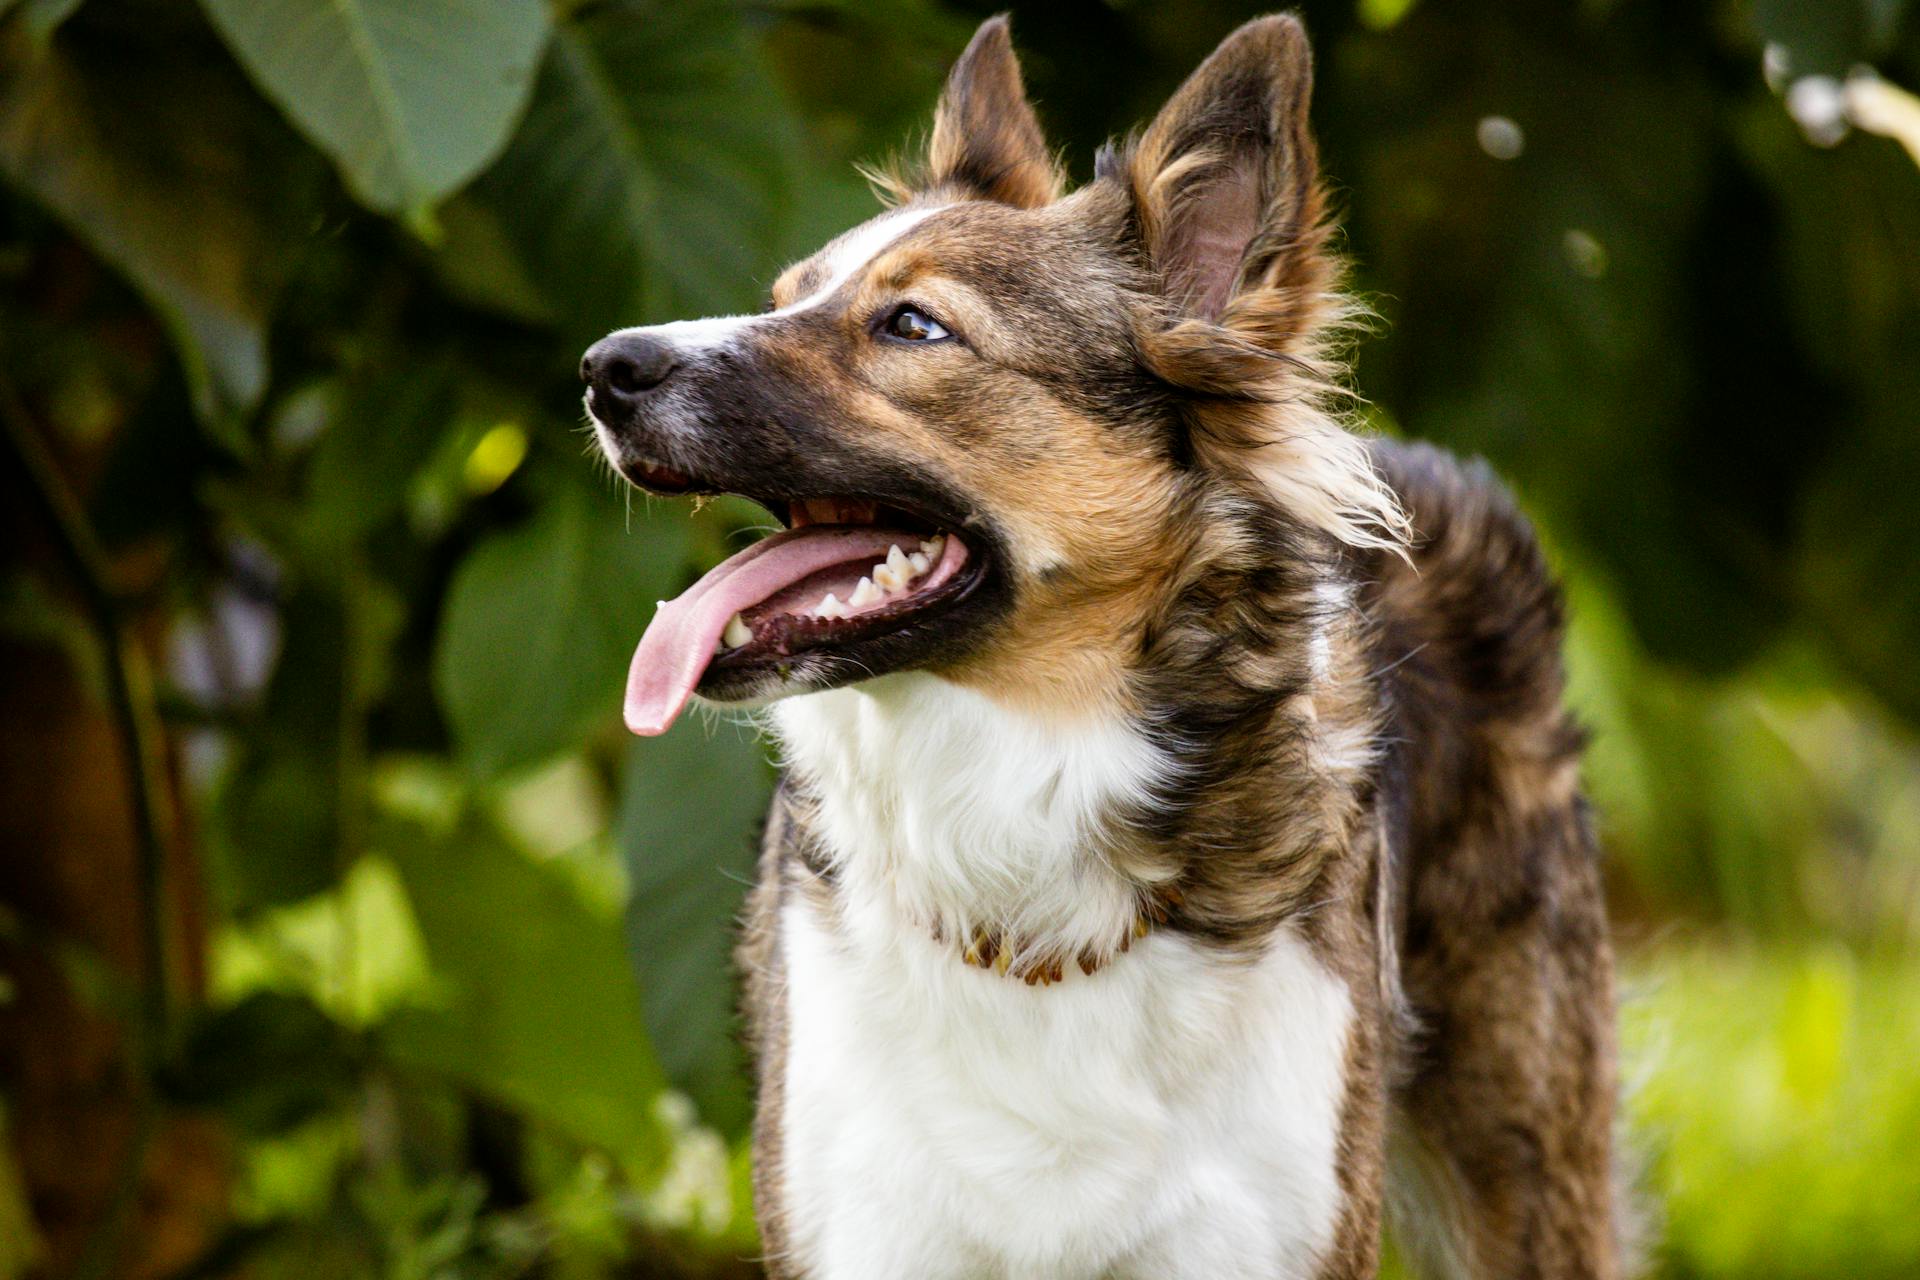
1775 1099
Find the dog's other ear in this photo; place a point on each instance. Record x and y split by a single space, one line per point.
1225 200
1225 181
986 140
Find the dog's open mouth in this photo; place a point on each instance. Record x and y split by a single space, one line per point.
845 571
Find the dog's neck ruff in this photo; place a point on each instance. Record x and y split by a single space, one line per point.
938 812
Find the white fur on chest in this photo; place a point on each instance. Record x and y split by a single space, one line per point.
1174 1114
940 803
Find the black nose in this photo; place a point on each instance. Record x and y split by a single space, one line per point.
623 367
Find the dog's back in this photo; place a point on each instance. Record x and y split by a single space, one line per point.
1505 1080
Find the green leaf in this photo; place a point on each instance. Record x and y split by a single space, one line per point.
1850 217
690 806
410 98
281 831
1859 549
43 17
268 1063
651 176
383 431
539 1008
479 265
154 154
1827 38
541 622
277 826
21 1249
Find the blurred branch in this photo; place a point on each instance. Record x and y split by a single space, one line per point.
101 1254
1886 109
229 1252
130 693
351 783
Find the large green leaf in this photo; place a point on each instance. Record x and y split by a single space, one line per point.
43 17
541 621
1826 38
276 829
651 176
690 804
410 98
537 1005
382 431
268 1063
151 150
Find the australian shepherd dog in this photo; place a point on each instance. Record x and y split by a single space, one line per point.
1180 864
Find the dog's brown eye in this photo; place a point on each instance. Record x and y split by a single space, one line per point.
915 326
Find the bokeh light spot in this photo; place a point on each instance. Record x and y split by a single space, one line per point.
498 455
1500 137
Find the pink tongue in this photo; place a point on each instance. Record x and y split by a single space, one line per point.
680 642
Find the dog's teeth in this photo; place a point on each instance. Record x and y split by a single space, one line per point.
830 607
865 594
737 632
931 547
918 562
896 572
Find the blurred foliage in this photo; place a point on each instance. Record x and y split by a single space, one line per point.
1777 1100
295 291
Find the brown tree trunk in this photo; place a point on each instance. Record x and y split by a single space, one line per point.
116 1186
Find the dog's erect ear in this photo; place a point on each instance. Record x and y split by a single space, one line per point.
1225 181
986 140
1225 199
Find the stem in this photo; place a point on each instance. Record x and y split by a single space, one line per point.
130 695
352 779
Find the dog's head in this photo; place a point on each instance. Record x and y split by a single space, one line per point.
992 416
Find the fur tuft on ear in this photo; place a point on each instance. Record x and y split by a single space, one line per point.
986 142
1227 206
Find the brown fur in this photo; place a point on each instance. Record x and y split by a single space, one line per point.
758 955
1507 965
1353 654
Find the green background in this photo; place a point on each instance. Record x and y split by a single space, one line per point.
292 294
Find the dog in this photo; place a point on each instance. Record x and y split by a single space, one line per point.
1180 865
